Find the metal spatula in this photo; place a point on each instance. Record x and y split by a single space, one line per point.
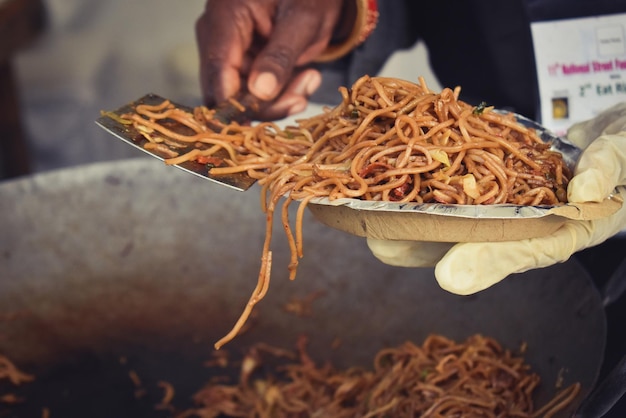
227 112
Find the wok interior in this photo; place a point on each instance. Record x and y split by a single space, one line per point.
131 265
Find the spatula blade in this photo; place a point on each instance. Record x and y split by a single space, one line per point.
128 134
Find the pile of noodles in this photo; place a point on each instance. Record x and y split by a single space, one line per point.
388 140
440 378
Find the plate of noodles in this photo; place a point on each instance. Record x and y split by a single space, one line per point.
393 160
532 200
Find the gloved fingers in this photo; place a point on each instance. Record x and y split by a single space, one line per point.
408 253
602 167
471 267
605 228
610 121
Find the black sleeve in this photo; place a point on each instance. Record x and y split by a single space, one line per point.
484 46
542 10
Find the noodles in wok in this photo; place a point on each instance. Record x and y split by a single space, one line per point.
440 378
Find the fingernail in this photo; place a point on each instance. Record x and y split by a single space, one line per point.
297 108
309 84
265 86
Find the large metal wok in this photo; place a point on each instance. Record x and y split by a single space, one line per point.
131 265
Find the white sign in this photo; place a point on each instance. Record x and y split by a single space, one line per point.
581 67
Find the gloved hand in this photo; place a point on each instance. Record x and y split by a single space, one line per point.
467 268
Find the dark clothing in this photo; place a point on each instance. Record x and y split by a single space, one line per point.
601 262
485 46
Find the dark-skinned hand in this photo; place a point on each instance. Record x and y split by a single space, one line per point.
264 46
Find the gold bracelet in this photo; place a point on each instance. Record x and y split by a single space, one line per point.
364 25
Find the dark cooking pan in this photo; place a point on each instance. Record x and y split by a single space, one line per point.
123 266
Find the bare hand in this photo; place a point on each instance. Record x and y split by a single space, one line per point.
262 45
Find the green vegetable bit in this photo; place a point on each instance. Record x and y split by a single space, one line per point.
478 110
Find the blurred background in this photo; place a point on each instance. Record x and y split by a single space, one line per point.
72 58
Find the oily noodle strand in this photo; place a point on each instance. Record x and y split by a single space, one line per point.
9 371
388 140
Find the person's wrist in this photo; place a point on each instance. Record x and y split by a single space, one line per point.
364 16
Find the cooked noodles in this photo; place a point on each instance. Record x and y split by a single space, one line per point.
10 372
474 378
388 140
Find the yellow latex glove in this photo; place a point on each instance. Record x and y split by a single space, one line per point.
467 268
